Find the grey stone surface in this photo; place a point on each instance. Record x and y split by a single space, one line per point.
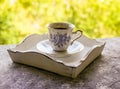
103 73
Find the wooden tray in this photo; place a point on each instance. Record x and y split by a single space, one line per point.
68 64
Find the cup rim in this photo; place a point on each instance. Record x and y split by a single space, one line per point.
70 25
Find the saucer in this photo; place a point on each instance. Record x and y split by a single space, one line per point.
45 47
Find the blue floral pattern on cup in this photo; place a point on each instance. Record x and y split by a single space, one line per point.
60 39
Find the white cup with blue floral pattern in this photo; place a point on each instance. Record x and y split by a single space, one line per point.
61 35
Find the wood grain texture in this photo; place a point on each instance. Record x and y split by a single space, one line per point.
103 73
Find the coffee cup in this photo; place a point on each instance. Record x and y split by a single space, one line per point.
61 35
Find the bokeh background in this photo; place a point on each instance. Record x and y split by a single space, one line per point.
19 18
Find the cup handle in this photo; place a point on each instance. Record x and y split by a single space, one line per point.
78 34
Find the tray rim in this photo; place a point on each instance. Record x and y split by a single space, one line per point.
101 44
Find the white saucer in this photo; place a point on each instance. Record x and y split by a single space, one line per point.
45 47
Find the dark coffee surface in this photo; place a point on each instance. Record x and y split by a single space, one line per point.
60 28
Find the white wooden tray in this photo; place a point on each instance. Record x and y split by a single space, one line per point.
69 63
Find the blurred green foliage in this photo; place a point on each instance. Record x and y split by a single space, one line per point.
97 18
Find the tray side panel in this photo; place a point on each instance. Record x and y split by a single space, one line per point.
41 61
93 54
